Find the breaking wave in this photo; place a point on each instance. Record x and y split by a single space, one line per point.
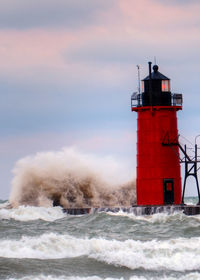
71 179
157 217
189 276
31 213
170 254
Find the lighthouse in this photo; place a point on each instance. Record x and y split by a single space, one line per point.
158 183
158 168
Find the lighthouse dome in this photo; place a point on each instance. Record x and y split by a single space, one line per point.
156 75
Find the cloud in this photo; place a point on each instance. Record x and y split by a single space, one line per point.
121 49
131 33
119 37
178 2
23 14
105 50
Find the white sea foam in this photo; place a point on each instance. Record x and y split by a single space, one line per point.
4 205
49 277
155 218
189 276
161 218
30 213
179 254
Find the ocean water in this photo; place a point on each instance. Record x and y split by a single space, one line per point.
45 243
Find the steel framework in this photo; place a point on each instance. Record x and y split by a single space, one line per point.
190 163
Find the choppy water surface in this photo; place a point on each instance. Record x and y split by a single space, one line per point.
45 243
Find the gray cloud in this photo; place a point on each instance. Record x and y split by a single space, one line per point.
105 51
129 51
23 14
36 105
177 2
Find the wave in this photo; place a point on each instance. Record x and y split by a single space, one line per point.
71 179
172 254
160 218
189 276
4 204
30 213
157 217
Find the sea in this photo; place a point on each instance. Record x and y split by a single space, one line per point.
46 243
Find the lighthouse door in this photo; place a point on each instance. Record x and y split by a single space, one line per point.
168 185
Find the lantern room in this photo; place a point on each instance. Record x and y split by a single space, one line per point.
159 81
156 89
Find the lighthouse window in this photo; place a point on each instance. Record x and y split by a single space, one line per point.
142 86
165 85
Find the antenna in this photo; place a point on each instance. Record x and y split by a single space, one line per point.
138 68
150 83
154 60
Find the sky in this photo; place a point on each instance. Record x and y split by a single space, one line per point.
68 69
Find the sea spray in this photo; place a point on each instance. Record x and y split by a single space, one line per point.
71 179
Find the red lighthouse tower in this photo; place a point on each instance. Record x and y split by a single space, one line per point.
158 167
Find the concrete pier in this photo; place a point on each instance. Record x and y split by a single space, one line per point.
189 210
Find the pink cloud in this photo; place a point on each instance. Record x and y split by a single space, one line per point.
32 47
134 22
130 32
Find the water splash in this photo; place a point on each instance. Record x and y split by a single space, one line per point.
71 179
